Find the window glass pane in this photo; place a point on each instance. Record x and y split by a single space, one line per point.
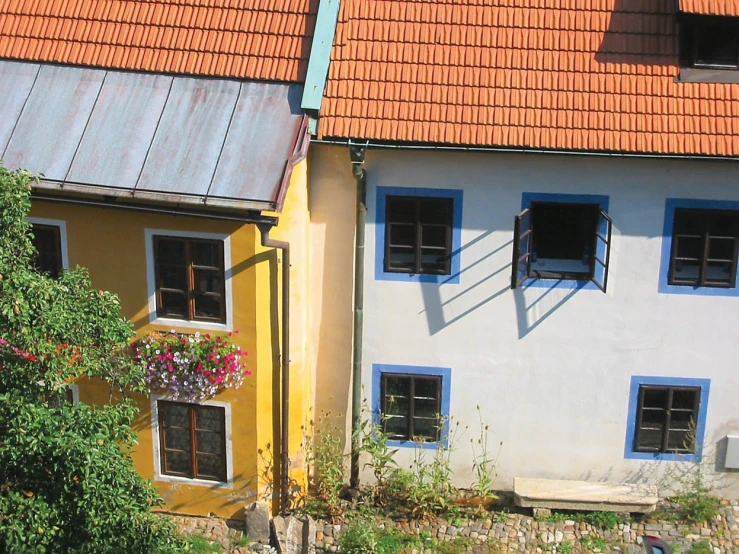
401 210
173 304
680 441
174 415
434 235
402 235
434 260
650 439
683 399
208 306
206 254
718 273
47 242
401 259
177 438
425 429
208 418
397 386
211 467
717 45
207 280
426 409
435 210
172 277
178 462
426 388
689 247
209 442
397 426
171 251
654 398
681 420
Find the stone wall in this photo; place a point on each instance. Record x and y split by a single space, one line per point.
510 532
504 532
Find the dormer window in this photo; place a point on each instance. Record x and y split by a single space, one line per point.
711 45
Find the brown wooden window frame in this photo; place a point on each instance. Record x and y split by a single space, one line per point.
667 410
190 293
418 226
524 229
706 237
193 472
42 255
410 435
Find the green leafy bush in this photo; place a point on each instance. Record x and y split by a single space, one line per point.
67 482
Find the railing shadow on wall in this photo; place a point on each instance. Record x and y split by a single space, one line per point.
640 32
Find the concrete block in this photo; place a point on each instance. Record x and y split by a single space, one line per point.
256 521
584 495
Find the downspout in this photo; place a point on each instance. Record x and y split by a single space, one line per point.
356 154
285 361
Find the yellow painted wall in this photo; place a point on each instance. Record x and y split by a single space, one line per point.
333 215
111 244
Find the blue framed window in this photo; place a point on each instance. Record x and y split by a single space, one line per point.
562 239
700 242
418 235
411 403
667 418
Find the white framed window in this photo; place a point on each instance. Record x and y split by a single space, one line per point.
192 442
50 241
188 278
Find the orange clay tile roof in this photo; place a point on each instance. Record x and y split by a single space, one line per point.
249 39
710 7
593 75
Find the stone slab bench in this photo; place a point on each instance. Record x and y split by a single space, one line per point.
584 495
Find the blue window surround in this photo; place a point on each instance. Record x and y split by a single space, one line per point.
446 383
527 198
664 268
636 382
380 273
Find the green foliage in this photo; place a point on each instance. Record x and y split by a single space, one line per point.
565 547
369 439
67 482
200 545
326 454
484 463
601 519
701 547
694 501
590 543
604 520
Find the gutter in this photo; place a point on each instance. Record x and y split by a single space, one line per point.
442 147
111 203
264 229
356 154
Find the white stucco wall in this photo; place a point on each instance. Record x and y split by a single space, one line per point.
551 368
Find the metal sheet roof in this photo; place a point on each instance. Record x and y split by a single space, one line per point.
179 139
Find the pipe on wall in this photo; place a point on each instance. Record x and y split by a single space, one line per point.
285 363
356 154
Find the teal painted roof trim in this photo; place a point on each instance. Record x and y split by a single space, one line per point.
320 54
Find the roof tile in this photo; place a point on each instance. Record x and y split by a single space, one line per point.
193 36
570 74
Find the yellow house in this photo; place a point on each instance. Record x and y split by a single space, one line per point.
174 169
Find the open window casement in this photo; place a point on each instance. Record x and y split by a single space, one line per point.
546 248
602 250
522 235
